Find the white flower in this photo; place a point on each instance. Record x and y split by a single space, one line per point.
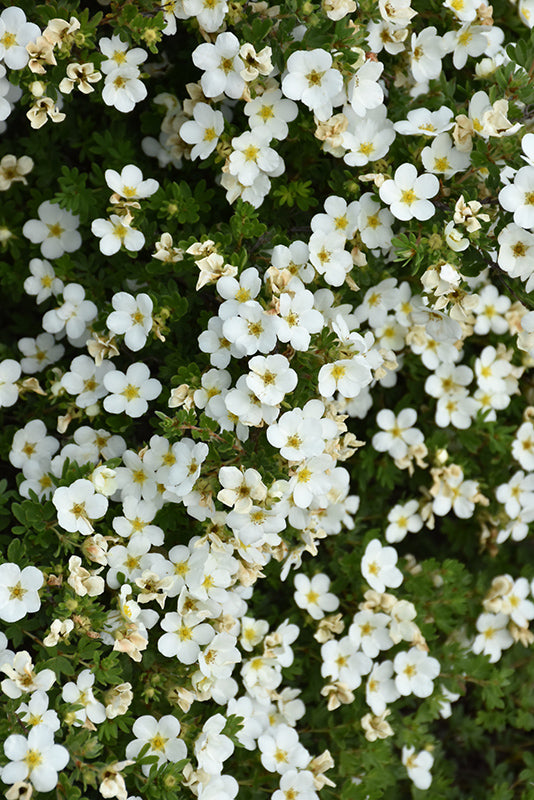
271 378
77 505
118 54
378 567
42 281
313 595
161 736
415 672
56 230
15 34
222 66
418 766
348 376
422 122
398 432
469 40
407 194
19 591
10 371
329 257
367 139
74 314
443 157
281 750
35 758
426 53
129 183
364 91
184 635
32 444
85 380
252 155
36 712
493 637
518 197
131 316
210 15
380 688
81 693
123 89
402 518
271 112
203 130
212 747
115 232
130 391
311 79
523 446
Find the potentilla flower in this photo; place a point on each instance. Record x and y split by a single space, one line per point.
203 130
469 40
130 184
184 635
15 34
251 329
36 711
398 432
81 693
212 746
403 518
161 736
348 376
271 112
271 378
35 758
364 91
516 251
241 488
380 688
313 595
252 155
367 139
130 391
442 157
73 315
115 232
329 257
85 380
118 54
10 372
222 66
407 194
56 230
281 750
77 505
42 282
312 79
311 480
123 89
422 122
378 567
13 170
418 766
416 671
343 662
19 591
518 197
493 637
32 444
132 316
426 53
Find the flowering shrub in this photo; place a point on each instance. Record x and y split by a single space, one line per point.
267 417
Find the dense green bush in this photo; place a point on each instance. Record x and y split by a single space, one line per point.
267 428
